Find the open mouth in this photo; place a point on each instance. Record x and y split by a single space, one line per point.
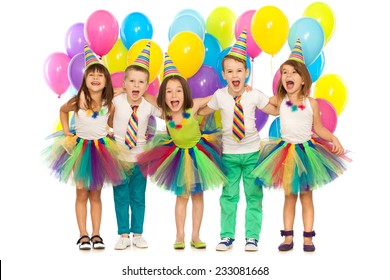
236 83
290 84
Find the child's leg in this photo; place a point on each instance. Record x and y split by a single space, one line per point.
307 214
180 216
81 210
96 210
197 215
290 201
122 202
137 201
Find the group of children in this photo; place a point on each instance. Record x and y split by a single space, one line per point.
110 146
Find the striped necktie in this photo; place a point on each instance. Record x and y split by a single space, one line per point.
132 128
238 120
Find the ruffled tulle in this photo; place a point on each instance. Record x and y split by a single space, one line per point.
88 164
184 170
298 167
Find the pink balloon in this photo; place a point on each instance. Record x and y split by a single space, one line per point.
117 79
244 21
56 72
101 31
154 87
275 82
328 114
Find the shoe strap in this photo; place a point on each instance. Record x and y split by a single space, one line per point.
97 242
82 237
309 233
287 232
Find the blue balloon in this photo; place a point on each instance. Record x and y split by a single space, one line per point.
135 26
212 50
186 23
192 13
312 37
274 129
219 66
316 68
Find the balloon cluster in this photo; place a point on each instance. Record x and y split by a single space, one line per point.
197 47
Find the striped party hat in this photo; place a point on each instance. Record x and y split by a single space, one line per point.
143 58
169 68
90 56
296 52
239 48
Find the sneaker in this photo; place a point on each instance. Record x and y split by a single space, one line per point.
251 245
139 242
225 244
123 243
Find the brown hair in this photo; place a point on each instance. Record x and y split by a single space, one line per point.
235 58
302 71
137 68
187 102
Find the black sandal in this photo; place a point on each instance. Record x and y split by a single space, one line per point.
97 244
84 245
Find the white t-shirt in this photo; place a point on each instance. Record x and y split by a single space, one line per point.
90 128
122 114
223 101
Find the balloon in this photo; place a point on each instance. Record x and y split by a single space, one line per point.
261 119
324 15
310 32
275 82
56 72
186 50
151 130
135 26
186 23
269 29
212 50
332 88
76 70
192 13
220 23
154 87
74 39
274 129
116 58
117 79
316 68
155 59
328 114
219 66
101 31
204 82
244 22
58 125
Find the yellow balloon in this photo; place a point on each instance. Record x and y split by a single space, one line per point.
115 59
187 52
221 23
155 59
270 28
332 88
324 15
217 119
57 125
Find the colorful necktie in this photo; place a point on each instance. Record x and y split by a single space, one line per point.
132 128
238 120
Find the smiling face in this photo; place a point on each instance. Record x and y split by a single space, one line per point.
235 73
135 84
174 95
95 81
291 80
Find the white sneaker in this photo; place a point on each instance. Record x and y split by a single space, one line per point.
139 242
123 243
251 245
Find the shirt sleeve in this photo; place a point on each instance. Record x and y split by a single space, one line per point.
213 103
262 100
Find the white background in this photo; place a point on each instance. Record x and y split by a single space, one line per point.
38 225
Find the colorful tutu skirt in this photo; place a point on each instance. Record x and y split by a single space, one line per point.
183 171
298 168
88 164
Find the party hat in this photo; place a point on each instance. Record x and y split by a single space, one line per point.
296 52
239 48
90 56
169 68
143 58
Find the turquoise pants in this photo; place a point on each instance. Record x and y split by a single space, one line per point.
239 166
130 195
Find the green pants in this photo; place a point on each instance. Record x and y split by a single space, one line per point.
239 166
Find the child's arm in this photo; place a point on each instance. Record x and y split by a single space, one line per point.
118 91
322 131
206 110
110 122
151 99
64 116
272 108
200 106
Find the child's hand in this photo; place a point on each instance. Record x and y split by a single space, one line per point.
82 102
118 91
337 148
68 133
248 88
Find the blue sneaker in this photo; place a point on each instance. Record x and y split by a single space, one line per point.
225 244
251 245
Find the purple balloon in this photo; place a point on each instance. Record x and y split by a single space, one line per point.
205 82
261 119
74 39
76 70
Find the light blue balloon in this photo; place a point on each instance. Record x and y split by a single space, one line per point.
192 13
212 50
274 129
136 26
316 68
186 22
312 37
219 66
